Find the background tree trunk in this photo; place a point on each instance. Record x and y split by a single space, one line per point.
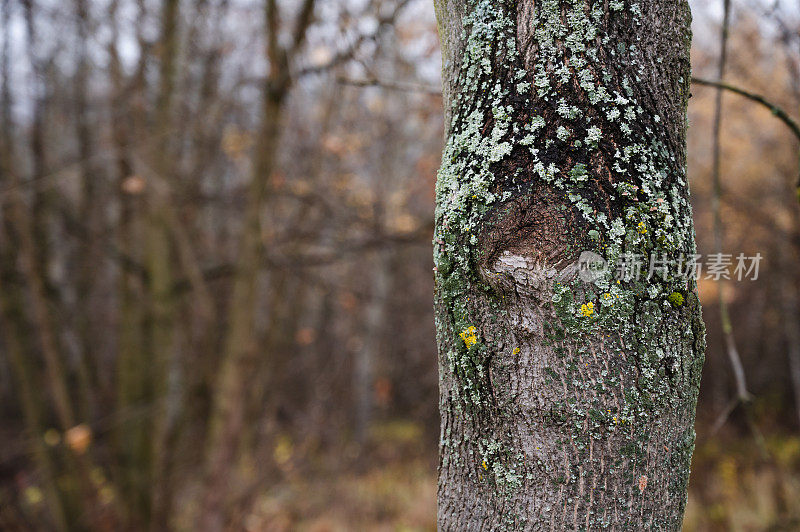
564 404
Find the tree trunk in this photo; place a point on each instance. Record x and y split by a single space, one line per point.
368 355
159 263
240 351
567 397
87 255
790 302
14 327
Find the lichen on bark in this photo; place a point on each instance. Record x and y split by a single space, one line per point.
561 399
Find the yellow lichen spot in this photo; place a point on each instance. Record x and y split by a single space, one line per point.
642 228
607 296
484 465
469 336
587 309
676 298
616 420
516 350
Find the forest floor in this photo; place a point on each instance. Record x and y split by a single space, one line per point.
734 487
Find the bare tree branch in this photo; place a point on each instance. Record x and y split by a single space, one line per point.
774 109
391 85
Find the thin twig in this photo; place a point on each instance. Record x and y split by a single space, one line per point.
348 52
723 417
391 85
777 111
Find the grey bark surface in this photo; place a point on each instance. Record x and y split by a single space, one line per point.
565 404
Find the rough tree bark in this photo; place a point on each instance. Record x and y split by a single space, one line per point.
567 398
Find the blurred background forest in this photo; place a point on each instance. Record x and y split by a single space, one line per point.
215 266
